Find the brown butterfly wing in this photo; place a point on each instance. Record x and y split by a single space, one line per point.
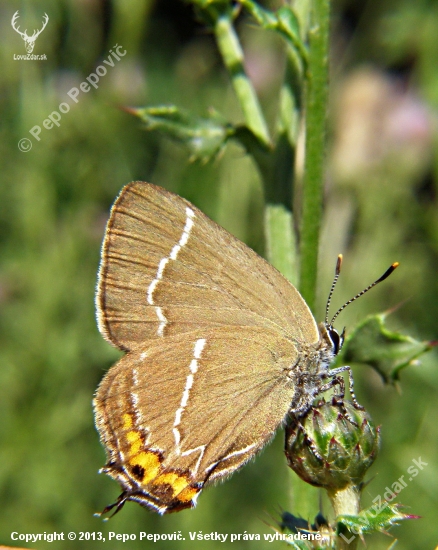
181 412
168 269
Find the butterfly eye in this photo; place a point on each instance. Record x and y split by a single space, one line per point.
337 340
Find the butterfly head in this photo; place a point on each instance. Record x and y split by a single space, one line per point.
336 340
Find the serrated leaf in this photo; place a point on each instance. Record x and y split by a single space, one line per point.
373 521
204 136
387 352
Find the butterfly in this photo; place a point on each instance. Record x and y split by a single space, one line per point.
220 349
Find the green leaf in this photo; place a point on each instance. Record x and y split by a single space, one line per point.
204 136
372 520
265 18
283 21
387 352
288 23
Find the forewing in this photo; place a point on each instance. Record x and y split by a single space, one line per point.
167 269
180 413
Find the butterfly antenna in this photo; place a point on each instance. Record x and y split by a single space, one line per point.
387 273
335 280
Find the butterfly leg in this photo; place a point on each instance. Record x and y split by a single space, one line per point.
335 373
335 381
118 505
297 424
338 399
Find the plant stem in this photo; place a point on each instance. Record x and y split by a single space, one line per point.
346 502
232 55
316 106
275 165
280 240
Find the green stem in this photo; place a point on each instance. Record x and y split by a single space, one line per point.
346 502
317 95
232 55
280 236
275 165
280 240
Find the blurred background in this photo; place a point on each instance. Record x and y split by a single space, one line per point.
380 206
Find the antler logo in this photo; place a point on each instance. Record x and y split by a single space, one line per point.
29 41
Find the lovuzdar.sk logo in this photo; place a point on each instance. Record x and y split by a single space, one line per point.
29 41
220 349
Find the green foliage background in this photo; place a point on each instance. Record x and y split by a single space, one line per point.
380 206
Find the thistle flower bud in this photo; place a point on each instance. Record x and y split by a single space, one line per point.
332 452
